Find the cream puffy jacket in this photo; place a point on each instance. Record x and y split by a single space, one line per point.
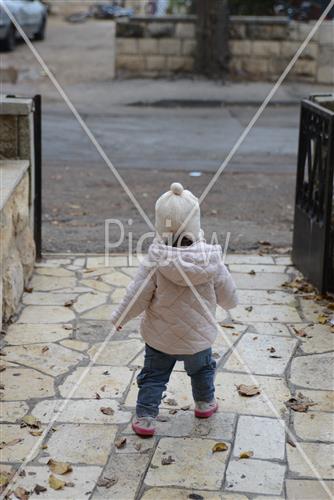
178 290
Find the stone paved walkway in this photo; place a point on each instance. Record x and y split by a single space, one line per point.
279 334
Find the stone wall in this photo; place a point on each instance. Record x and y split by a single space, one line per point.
260 48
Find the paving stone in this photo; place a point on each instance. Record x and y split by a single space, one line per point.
315 426
12 411
118 295
129 469
264 436
319 339
259 281
135 444
229 400
181 494
80 261
49 283
116 278
34 333
310 310
248 259
116 352
130 271
266 313
115 382
324 400
19 451
306 489
46 314
102 313
49 262
225 340
267 297
320 455
82 411
96 285
55 271
257 268
77 345
24 383
80 443
255 476
272 329
283 260
195 465
84 479
47 298
313 371
254 354
89 300
107 261
54 361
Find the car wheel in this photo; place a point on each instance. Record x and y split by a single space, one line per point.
9 42
40 35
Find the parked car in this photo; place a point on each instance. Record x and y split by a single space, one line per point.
30 14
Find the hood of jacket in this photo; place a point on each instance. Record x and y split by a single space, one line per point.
196 264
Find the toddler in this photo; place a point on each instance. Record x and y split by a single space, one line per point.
177 286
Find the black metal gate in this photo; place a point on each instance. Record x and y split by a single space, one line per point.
313 237
38 175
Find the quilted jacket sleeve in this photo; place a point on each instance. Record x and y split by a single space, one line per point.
226 292
137 298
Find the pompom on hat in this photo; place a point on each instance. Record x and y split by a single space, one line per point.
173 208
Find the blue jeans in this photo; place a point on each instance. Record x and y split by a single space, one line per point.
158 366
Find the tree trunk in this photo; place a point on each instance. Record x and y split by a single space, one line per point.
212 38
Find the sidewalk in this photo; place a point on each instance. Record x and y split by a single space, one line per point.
281 335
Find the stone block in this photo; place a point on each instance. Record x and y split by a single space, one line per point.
326 33
23 132
160 30
180 64
240 47
27 251
265 48
185 30
170 47
129 30
13 284
257 68
326 55
235 66
289 49
188 47
156 63
257 31
148 46
237 30
126 46
9 139
132 64
325 74
20 199
305 68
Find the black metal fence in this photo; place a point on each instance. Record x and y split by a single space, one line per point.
313 238
38 175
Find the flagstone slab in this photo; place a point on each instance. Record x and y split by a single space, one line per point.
135 444
115 381
315 426
84 479
77 345
272 329
324 400
195 465
248 259
118 295
81 411
307 489
102 313
116 352
265 297
24 384
310 309
51 262
256 268
314 371
31 333
319 339
229 399
320 455
53 361
19 451
129 470
54 271
255 476
96 285
259 281
253 352
266 313
12 411
89 300
48 298
49 283
117 278
80 443
265 437
46 314
107 261
130 271
182 494
283 260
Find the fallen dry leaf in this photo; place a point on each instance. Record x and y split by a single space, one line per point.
271 349
69 303
120 443
249 308
185 407
299 403
10 443
162 418
246 454
264 243
70 484
45 348
252 272
107 482
39 489
137 446
248 390
103 388
219 447
4 478
173 411
28 289
291 443
224 325
36 433
300 333
107 410
67 327
21 493
59 467
55 483
97 395
2 368
30 421
167 460
170 402
322 319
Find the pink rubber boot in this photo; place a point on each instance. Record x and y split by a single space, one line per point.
204 409
143 426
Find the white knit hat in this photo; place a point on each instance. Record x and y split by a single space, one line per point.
173 208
